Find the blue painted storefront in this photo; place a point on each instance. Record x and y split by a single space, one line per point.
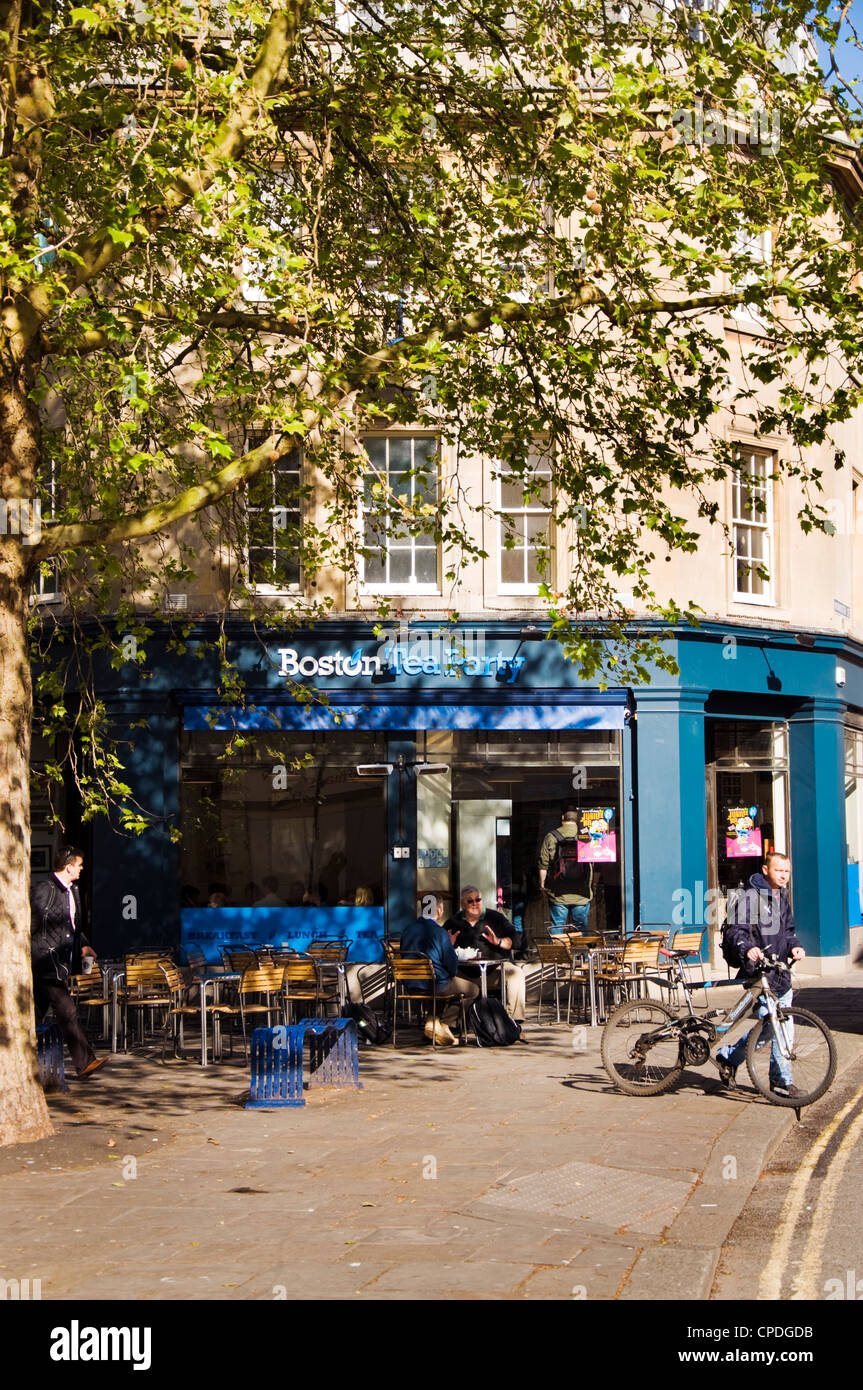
724 673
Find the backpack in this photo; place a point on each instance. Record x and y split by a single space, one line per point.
730 950
492 1024
371 1028
566 874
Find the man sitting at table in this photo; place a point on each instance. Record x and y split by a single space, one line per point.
426 937
490 934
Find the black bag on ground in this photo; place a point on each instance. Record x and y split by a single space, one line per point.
492 1024
371 1028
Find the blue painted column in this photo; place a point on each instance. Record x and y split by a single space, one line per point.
670 802
627 824
136 890
401 829
816 757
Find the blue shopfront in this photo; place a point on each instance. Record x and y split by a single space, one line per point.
360 771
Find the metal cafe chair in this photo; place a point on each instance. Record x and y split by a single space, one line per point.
302 984
144 990
557 957
689 940
414 980
88 992
331 957
260 991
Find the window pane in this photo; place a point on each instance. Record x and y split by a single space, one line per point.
400 566
512 566
375 570
426 565
401 454
376 449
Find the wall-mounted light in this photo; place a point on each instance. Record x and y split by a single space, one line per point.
374 769
420 768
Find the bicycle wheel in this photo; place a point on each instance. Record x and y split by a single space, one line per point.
638 1064
812 1056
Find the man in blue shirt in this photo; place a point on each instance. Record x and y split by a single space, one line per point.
426 937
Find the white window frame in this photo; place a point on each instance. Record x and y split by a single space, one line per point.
529 507
264 588
40 593
759 248
763 522
407 586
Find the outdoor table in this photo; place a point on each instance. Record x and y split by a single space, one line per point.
484 966
113 973
341 977
204 979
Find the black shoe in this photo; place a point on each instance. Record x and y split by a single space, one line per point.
790 1091
727 1073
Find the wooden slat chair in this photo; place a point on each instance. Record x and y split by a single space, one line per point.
414 980
684 943
330 955
239 958
302 984
556 956
144 990
626 975
179 1009
260 993
88 992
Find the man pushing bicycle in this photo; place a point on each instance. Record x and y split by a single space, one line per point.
759 919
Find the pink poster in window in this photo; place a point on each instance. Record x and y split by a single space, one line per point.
597 840
742 836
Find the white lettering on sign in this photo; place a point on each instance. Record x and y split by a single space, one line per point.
402 650
331 664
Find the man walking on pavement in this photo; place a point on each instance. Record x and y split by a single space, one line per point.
759 919
57 947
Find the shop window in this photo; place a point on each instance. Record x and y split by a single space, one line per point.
400 552
485 809
524 527
273 522
854 794
289 806
747 768
752 520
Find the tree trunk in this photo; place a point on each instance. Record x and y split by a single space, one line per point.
23 1112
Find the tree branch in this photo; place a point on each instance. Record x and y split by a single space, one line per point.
147 523
98 251
94 339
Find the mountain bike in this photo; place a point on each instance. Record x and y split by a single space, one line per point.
645 1045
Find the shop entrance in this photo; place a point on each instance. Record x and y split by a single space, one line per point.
747 801
483 821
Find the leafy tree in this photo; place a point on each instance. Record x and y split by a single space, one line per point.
231 229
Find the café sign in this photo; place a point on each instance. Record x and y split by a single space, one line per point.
451 655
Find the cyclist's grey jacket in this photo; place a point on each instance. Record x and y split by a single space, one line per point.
761 916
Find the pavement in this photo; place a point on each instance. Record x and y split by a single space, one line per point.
488 1174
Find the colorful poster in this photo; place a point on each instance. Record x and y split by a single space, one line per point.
742 836
597 838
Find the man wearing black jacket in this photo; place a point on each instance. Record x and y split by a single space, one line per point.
759 920
57 947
